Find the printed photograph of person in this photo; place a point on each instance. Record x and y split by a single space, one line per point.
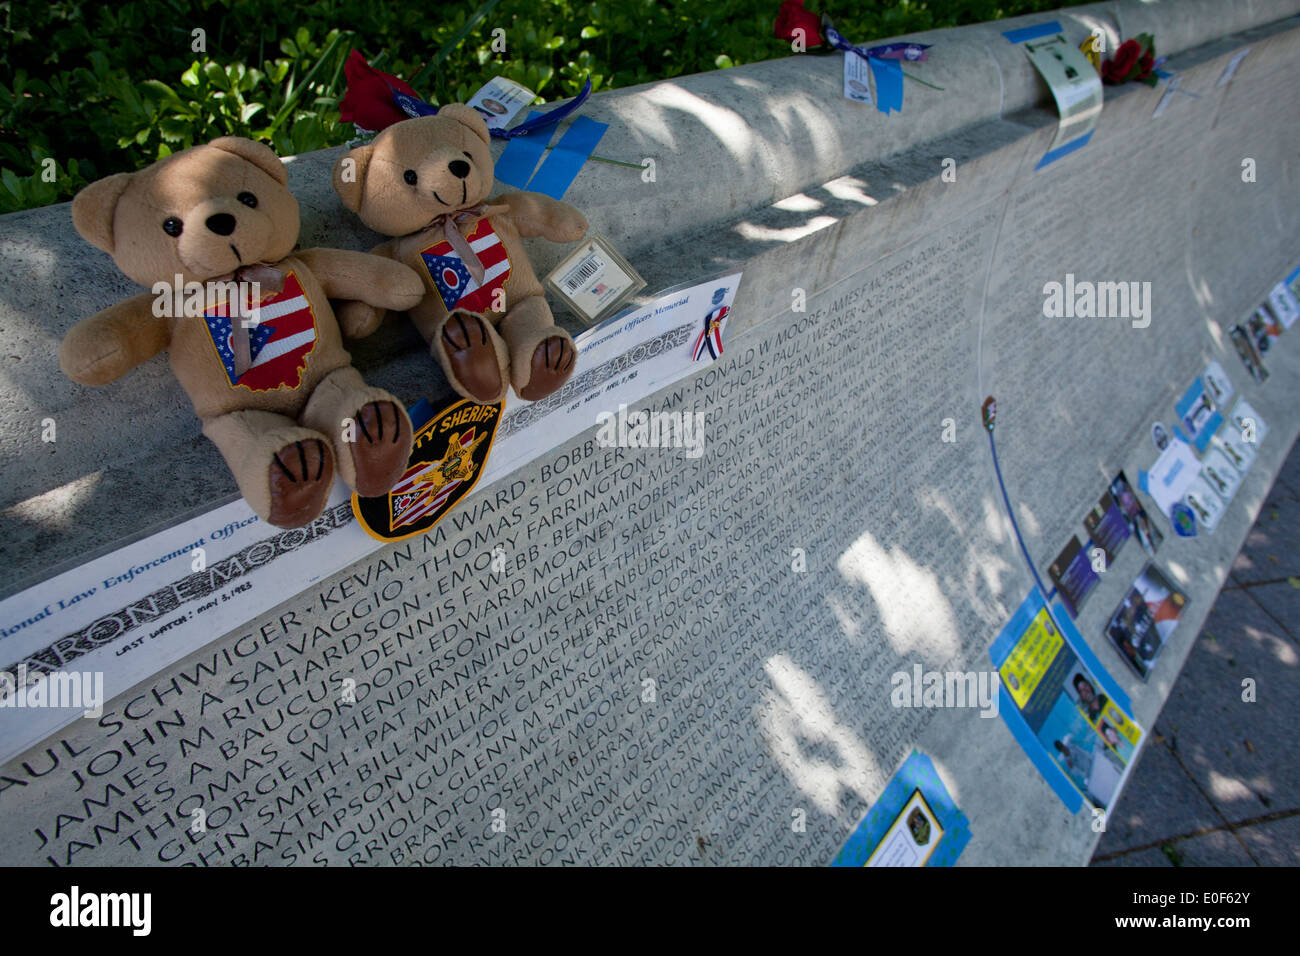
1139 522
1081 753
1090 701
1142 623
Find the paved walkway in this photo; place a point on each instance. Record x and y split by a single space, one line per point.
1217 783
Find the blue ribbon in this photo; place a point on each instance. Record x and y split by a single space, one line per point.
889 84
414 106
888 73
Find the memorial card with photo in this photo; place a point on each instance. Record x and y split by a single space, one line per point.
1217 384
1219 472
912 838
1205 503
1198 414
1067 713
1240 453
1244 343
1073 575
1139 522
1141 625
1107 526
1075 86
1283 303
914 822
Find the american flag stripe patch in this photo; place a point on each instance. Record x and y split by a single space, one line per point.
273 350
276 309
279 342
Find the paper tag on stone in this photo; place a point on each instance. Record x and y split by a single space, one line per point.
499 99
594 280
856 87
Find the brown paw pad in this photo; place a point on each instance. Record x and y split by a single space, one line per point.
553 362
382 448
472 356
301 474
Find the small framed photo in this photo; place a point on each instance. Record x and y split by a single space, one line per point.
594 281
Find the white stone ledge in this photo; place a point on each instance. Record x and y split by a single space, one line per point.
731 148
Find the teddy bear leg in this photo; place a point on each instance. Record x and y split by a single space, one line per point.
474 357
284 471
374 450
542 355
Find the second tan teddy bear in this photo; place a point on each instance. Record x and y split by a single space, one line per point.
424 181
275 388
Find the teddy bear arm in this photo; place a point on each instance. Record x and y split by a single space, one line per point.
104 347
535 214
364 277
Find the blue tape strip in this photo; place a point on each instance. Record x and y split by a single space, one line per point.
1065 150
889 84
1034 750
420 413
1032 33
1081 649
520 157
917 773
567 158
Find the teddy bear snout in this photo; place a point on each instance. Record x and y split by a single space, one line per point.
223 223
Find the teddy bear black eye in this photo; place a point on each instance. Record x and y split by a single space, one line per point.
172 226
248 199
410 177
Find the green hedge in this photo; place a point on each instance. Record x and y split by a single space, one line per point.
90 89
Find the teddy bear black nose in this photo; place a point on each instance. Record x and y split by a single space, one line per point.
223 223
459 168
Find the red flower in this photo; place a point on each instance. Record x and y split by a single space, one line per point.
1145 65
1117 70
792 16
369 100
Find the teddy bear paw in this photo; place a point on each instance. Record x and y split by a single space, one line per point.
382 448
552 365
301 475
472 356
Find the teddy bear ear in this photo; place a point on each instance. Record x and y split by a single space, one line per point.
93 209
468 116
259 154
349 175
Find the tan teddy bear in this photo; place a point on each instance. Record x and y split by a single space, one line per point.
273 385
425 181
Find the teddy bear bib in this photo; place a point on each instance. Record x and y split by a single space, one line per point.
278 344
451 277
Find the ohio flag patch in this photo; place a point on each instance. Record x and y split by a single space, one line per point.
452 278
278 344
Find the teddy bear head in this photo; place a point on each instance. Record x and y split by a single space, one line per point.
201 213
417 170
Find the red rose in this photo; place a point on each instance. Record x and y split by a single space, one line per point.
369 100
1145 65
792 16
1116 70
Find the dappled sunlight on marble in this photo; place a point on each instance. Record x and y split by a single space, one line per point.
850 189
917 617
796 709
753 232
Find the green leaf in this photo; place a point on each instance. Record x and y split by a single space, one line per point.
1294 582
